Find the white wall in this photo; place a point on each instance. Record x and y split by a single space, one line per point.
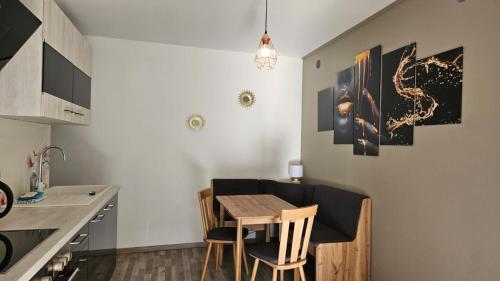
142 94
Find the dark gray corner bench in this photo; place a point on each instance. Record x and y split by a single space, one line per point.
340 247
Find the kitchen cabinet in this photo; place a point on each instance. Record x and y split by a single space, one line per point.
77 267
48 80
65 89
71 262
63 36
102 242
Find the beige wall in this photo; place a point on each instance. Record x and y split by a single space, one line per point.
18 140
437 204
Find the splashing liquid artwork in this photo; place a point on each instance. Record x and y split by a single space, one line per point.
343 106
367 102
439 81
398 96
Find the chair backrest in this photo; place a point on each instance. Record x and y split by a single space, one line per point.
205 198
300 240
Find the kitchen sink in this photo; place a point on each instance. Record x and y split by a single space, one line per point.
77 195
76 190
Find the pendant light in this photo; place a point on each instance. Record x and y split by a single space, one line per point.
266 56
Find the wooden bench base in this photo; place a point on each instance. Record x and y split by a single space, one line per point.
347 261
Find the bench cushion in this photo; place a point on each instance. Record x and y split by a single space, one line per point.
338 209
324 234
225 233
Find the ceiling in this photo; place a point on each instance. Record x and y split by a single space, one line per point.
296 27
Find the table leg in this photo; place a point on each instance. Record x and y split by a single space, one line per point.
267 230
220 257
221 216
239 237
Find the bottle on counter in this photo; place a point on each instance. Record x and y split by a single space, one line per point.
33 181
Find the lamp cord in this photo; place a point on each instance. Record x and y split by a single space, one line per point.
266 19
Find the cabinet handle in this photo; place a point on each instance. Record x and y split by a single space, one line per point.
109 207
79 239
97 218
79 113
73 275
69 110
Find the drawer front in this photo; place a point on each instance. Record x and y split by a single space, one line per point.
80 241
81 115
56 108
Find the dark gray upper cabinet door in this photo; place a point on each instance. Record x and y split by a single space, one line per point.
81 88
57 74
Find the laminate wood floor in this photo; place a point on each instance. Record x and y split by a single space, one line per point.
180 265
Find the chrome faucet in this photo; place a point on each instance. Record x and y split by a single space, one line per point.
41 162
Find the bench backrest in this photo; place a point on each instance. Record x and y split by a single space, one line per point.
337 209
233 187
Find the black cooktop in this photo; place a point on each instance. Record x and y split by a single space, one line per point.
14 245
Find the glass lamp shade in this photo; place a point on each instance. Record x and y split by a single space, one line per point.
266 55
296 171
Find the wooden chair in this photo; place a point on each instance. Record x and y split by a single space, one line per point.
216 235
283 255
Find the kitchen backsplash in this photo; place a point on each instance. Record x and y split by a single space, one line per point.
17 141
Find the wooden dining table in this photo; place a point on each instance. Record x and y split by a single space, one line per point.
250 210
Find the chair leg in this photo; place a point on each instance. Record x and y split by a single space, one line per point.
254 271
234 255
221 256
206 262
275 274
216 256
296 274
282 275
243 252
302 274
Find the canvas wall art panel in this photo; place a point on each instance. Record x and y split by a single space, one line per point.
367 102
325 110
343 106
439 85
398 96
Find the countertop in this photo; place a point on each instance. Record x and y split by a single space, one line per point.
68 220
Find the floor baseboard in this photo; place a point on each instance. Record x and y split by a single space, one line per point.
160 248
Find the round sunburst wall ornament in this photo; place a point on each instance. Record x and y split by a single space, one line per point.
195 122
246 98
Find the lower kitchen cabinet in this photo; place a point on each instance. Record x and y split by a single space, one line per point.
102 242
90 255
